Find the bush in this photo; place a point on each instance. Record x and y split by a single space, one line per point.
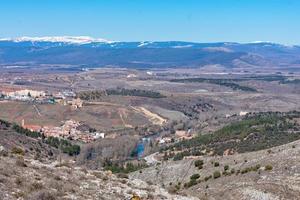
226 167
195 176
36 186
268 167
256 167
216 174
246 170
207 178
216 164
17 150
199 163
190 183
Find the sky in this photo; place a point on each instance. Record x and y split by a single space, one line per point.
155 20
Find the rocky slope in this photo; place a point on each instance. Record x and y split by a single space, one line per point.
26 178
268 174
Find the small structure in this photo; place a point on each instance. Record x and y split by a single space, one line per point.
26 93
243 113
98 135
131 76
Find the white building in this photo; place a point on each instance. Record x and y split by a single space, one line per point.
26 93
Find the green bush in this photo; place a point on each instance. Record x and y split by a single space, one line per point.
216 174
268 167
191 183
199 163
226 167
216 164
17 150
207 178
195 176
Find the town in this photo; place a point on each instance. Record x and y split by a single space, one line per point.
69 129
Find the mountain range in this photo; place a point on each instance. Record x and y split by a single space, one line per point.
90 52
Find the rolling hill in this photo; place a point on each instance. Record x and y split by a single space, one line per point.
89 52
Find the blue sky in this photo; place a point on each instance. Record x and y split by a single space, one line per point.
136 20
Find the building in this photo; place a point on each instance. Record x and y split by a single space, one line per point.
97 135
26 92
243 113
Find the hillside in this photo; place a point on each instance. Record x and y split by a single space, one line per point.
32 170
25 178
267 174
254 132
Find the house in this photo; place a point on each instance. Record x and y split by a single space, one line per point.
98 135
243 113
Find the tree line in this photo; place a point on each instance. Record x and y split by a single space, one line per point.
98 94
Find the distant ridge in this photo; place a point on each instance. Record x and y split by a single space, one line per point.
96 52
63 39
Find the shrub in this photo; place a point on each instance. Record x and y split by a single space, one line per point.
17 150
232 171
216 174
195 176
199 163
36 186
216 164
226 167
207 178
191 183
268 167
245 170
226 173
256 167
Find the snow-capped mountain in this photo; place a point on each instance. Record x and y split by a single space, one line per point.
88 51
60 39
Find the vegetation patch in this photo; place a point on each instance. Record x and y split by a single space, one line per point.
121 168
255 132
96 95
222 82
